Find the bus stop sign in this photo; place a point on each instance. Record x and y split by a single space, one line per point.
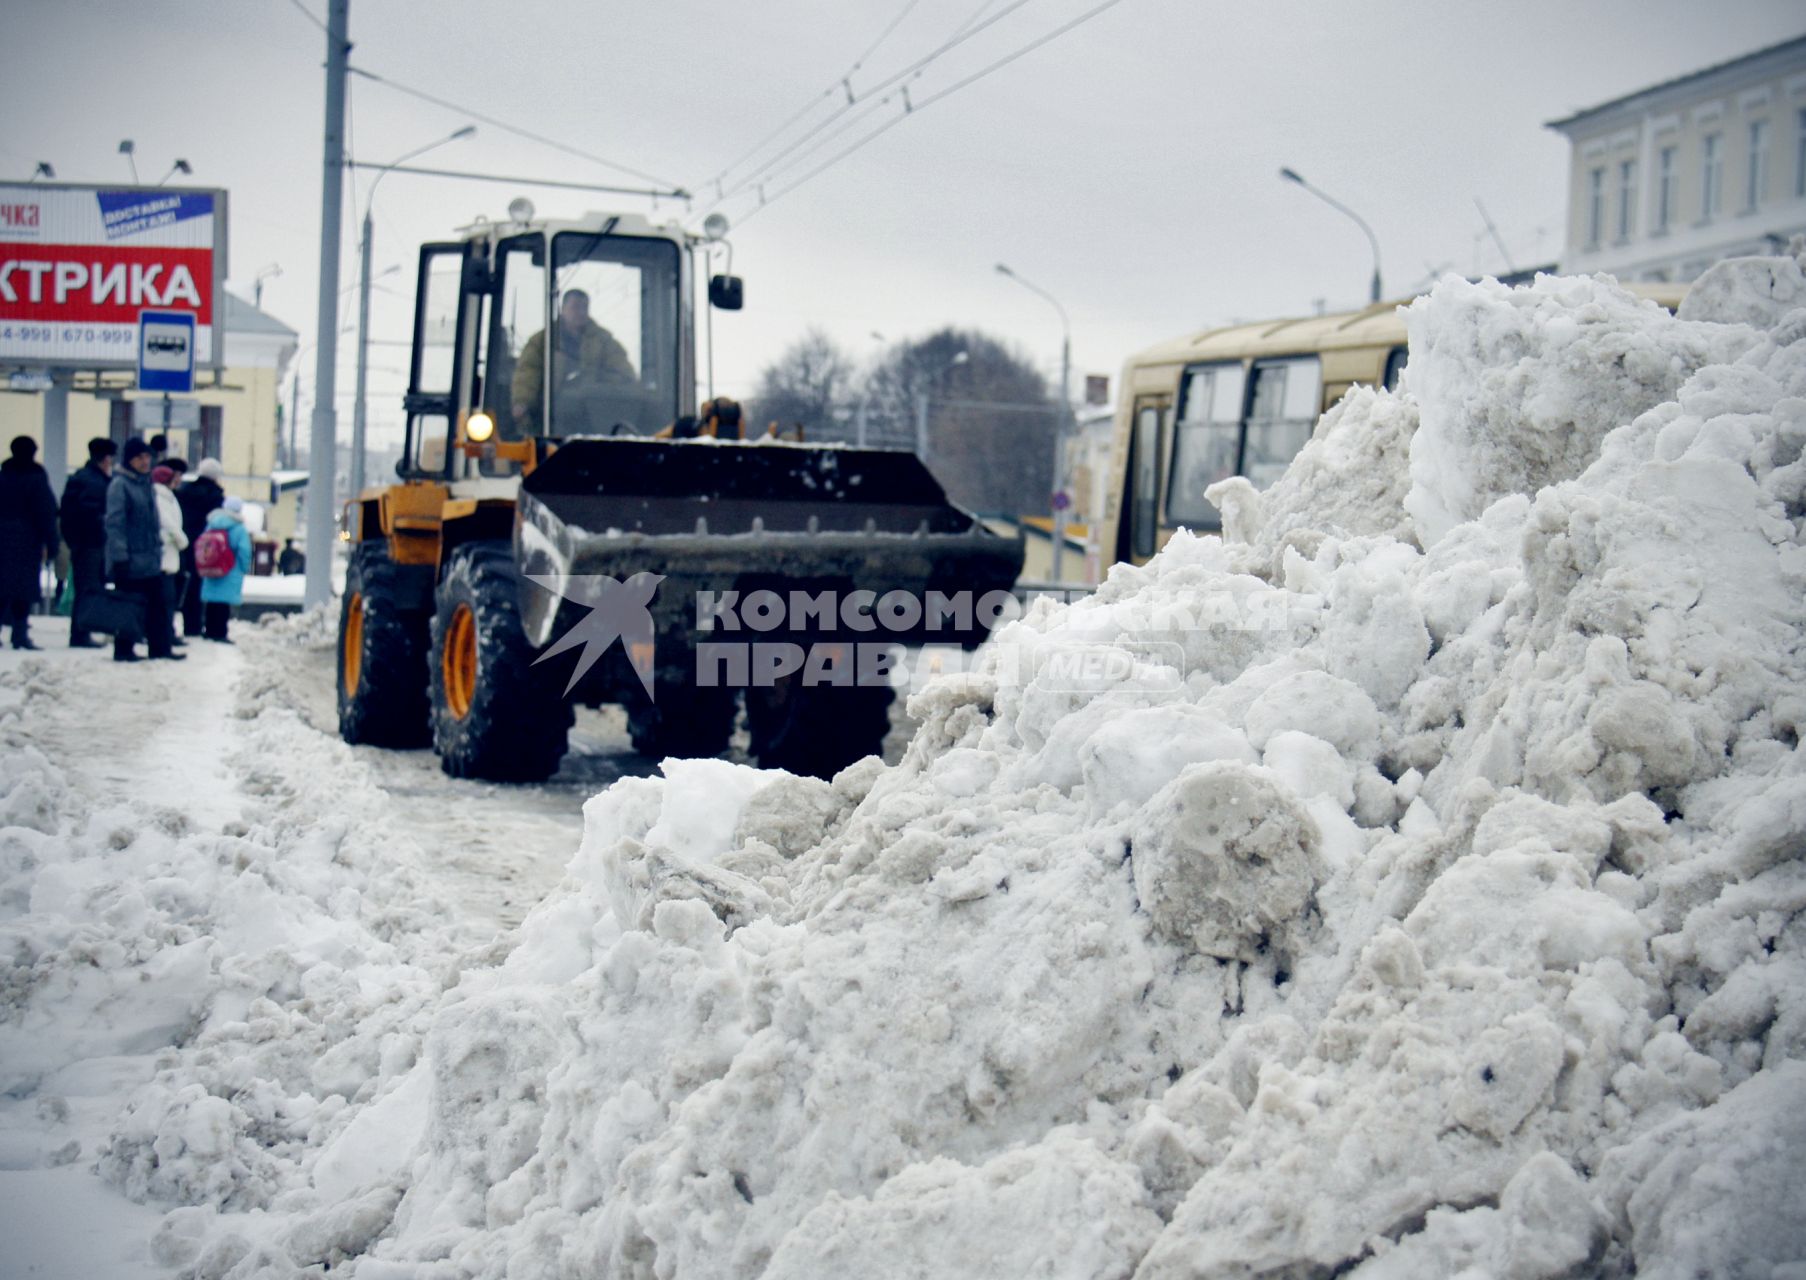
166 351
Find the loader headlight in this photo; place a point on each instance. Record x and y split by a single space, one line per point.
479 427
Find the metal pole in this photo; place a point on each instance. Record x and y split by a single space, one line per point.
56 430
1060 428
294 413
322 463
859 420
1059 472
922 425
363 362
1373 292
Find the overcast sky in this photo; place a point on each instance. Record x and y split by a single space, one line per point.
1129 167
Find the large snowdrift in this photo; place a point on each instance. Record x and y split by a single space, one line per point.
1412 883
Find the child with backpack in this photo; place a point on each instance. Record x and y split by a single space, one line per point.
222 557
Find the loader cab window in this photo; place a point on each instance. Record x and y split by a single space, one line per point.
443 316
519 312
1206 442
612 339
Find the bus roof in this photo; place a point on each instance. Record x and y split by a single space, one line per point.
1379 324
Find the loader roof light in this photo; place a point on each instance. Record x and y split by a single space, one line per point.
479 427
520 209
714 227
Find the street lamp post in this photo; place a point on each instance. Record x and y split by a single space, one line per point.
922 405
358 419
1291 175
1057 498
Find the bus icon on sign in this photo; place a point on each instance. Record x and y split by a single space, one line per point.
166 351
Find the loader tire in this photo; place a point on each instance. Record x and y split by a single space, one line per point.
817 731
681 721
382 656
495 715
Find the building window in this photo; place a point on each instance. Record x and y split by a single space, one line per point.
1627 198
1595 206
1711 178
1758 173
1668 188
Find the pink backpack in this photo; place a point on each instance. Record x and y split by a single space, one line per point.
213 554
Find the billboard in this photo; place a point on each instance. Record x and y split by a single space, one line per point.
78 264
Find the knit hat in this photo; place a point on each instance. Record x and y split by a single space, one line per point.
211 468
234 503
162 475
134 448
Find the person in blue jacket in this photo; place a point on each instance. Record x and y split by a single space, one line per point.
219 595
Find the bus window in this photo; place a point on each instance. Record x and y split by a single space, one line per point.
1144 470
1204 442
1282 413
1395 365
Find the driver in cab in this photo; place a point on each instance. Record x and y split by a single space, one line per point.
586 364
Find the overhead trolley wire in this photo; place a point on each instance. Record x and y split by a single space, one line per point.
947 92
809 106
969 29
673 189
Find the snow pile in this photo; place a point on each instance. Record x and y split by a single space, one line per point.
1377 908
1411 885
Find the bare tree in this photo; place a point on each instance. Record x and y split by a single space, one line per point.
804 387
990 419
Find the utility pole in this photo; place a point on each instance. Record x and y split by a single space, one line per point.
363 359
322 463
294 414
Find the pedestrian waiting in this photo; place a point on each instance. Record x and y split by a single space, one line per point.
27 537
135 554
222 557
84 520
169 524
200 497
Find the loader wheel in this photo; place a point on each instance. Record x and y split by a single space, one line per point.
681 721
494 715
382 656
819 730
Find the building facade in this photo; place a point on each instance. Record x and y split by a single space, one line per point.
234 417
1666 181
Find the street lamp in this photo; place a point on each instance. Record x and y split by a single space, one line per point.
180 166
267 273
44 170
1057 498
363 306
126 148
922 404
1291 176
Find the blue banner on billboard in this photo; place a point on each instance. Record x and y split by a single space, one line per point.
125 213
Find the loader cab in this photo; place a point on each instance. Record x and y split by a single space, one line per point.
551 330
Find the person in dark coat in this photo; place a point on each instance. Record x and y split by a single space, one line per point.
135 553
200 497
27 536
84 523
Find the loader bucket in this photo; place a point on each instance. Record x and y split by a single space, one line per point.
723 488
717 516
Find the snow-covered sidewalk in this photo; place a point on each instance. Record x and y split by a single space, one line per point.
182 859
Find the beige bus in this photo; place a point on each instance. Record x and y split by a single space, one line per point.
1239 401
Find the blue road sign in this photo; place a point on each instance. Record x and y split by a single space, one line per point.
166 351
